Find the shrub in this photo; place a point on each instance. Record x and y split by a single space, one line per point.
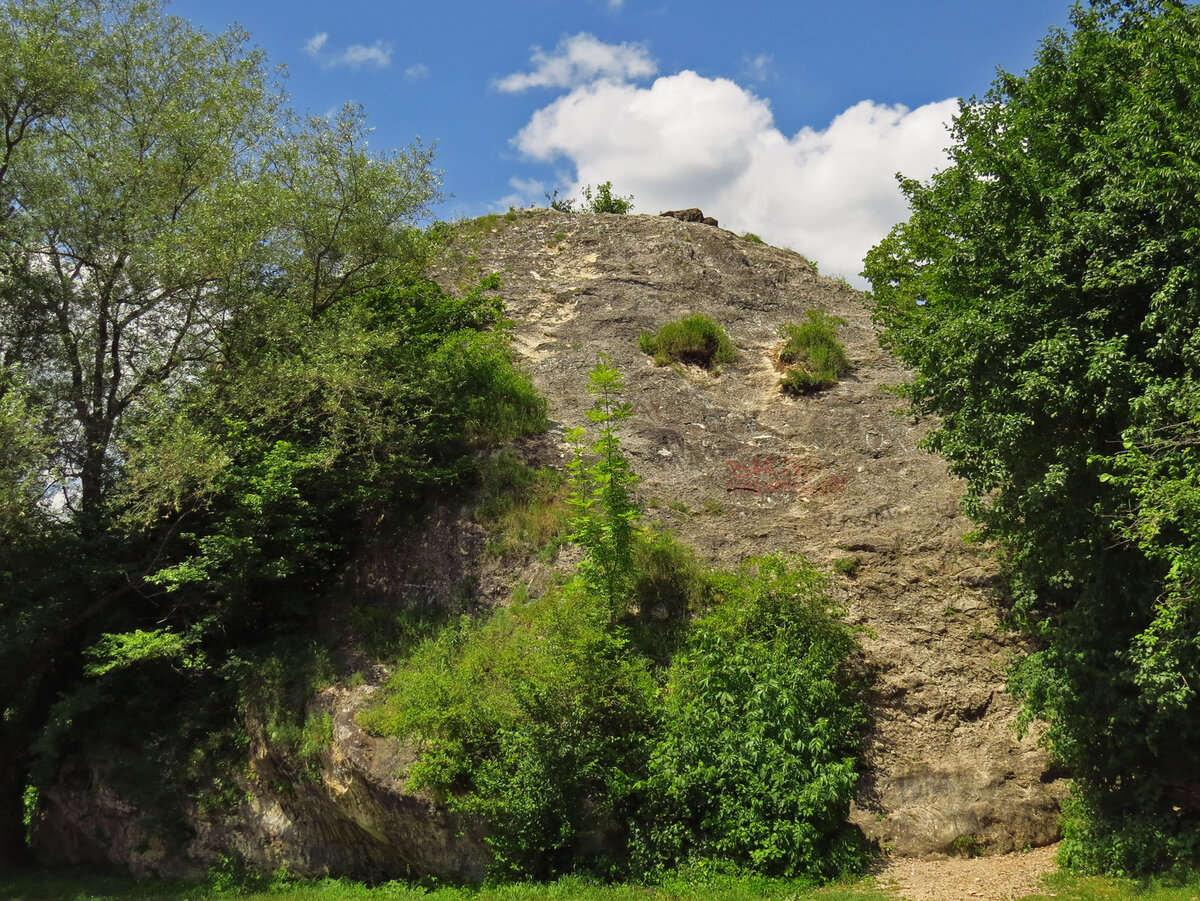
694 339
605 201
816 357
756 760
533 721
752 238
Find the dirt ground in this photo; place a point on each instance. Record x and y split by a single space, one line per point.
999 878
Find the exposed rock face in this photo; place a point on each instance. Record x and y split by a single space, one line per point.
346 813
690 215
736 469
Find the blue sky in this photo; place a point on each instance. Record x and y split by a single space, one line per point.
788 119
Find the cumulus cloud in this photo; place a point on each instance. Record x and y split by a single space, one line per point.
378 54
687 140
581 59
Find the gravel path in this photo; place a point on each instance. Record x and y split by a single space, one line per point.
1000 878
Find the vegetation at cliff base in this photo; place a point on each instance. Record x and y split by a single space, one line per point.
592 732
1045 291
222 372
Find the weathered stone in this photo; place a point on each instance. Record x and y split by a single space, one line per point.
690 215
833 475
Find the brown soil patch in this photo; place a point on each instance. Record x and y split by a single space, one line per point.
999 878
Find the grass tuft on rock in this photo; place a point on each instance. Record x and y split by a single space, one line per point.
813 353
694 339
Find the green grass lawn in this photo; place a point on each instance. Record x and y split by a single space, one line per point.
57 886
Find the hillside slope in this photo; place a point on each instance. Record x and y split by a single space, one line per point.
738 469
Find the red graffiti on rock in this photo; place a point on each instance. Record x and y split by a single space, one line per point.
773 475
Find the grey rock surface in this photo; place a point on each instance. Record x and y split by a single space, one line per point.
738 469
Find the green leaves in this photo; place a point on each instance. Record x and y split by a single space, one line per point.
605 201
1045 292
756 760
602 483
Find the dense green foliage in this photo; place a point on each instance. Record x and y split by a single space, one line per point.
605 201
534 722
813 354
221 372
1046 292
694 339
756 758
599 729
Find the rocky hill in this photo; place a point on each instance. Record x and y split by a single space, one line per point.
736 468
733 467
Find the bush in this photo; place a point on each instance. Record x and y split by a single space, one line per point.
694 339
605 201
756 759
816 358
533 721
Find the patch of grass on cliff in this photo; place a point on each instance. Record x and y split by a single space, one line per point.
694 339
522 507
813 353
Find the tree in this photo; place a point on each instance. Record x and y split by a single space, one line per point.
602 483
156 197
154 202
1046 292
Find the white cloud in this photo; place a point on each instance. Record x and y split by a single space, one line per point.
378 54
579 60
686 141
315 43
417 72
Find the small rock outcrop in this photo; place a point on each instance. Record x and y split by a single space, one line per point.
347 812
690 215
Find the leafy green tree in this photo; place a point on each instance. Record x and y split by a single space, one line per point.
159 209
1045 291
155 199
